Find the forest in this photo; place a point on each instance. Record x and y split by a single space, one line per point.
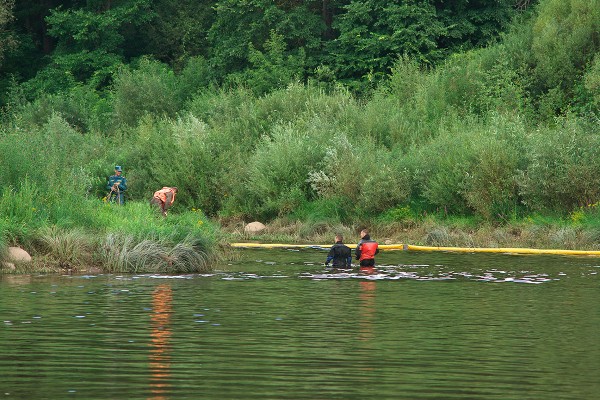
422 116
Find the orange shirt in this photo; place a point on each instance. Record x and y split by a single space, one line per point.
162 195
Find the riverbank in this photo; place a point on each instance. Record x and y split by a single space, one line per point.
60 250
528 233
93 237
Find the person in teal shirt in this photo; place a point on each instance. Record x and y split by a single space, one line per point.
117 184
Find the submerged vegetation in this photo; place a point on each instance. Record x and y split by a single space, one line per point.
492 146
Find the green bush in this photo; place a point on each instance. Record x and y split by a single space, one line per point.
195 77
275 181
82 108
591 83
563 169
329 210
383 182
233 115
565 40
402 213
151 88
491 187
441 168
297 101
272 68
417 99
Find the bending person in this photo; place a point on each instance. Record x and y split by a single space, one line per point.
164 199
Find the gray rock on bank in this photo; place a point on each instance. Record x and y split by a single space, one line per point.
15 254
254 227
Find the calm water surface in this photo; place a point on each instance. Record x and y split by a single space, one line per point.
276 325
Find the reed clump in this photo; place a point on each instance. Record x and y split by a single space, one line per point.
124 254
69 248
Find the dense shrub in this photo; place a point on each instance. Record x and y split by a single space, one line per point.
275 180
563 166
151 88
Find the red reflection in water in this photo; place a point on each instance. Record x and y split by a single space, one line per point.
160 359
367 315
367 310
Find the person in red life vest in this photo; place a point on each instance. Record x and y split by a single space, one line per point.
340 255
164 199
366 249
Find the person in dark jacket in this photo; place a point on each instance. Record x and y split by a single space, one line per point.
117 184
366 249
339 255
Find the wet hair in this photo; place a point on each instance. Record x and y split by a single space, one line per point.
338 236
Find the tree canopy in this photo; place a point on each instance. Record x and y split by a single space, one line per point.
65 43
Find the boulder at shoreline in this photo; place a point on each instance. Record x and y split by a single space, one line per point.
17 254
254 227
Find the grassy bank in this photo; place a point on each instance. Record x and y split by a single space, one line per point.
190 243
103 237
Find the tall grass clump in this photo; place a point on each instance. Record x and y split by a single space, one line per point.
3 243
136 238
21 212
124 254
69 247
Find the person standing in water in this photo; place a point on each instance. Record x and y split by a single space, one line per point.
339 255
366 249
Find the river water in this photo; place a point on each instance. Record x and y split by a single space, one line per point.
275 324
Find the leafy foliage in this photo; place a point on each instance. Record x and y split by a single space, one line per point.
151 88
6 15
89 41
494 132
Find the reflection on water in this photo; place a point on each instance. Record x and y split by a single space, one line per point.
367 309
276 324
160 359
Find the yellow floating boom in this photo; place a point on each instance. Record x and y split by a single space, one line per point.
410 247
